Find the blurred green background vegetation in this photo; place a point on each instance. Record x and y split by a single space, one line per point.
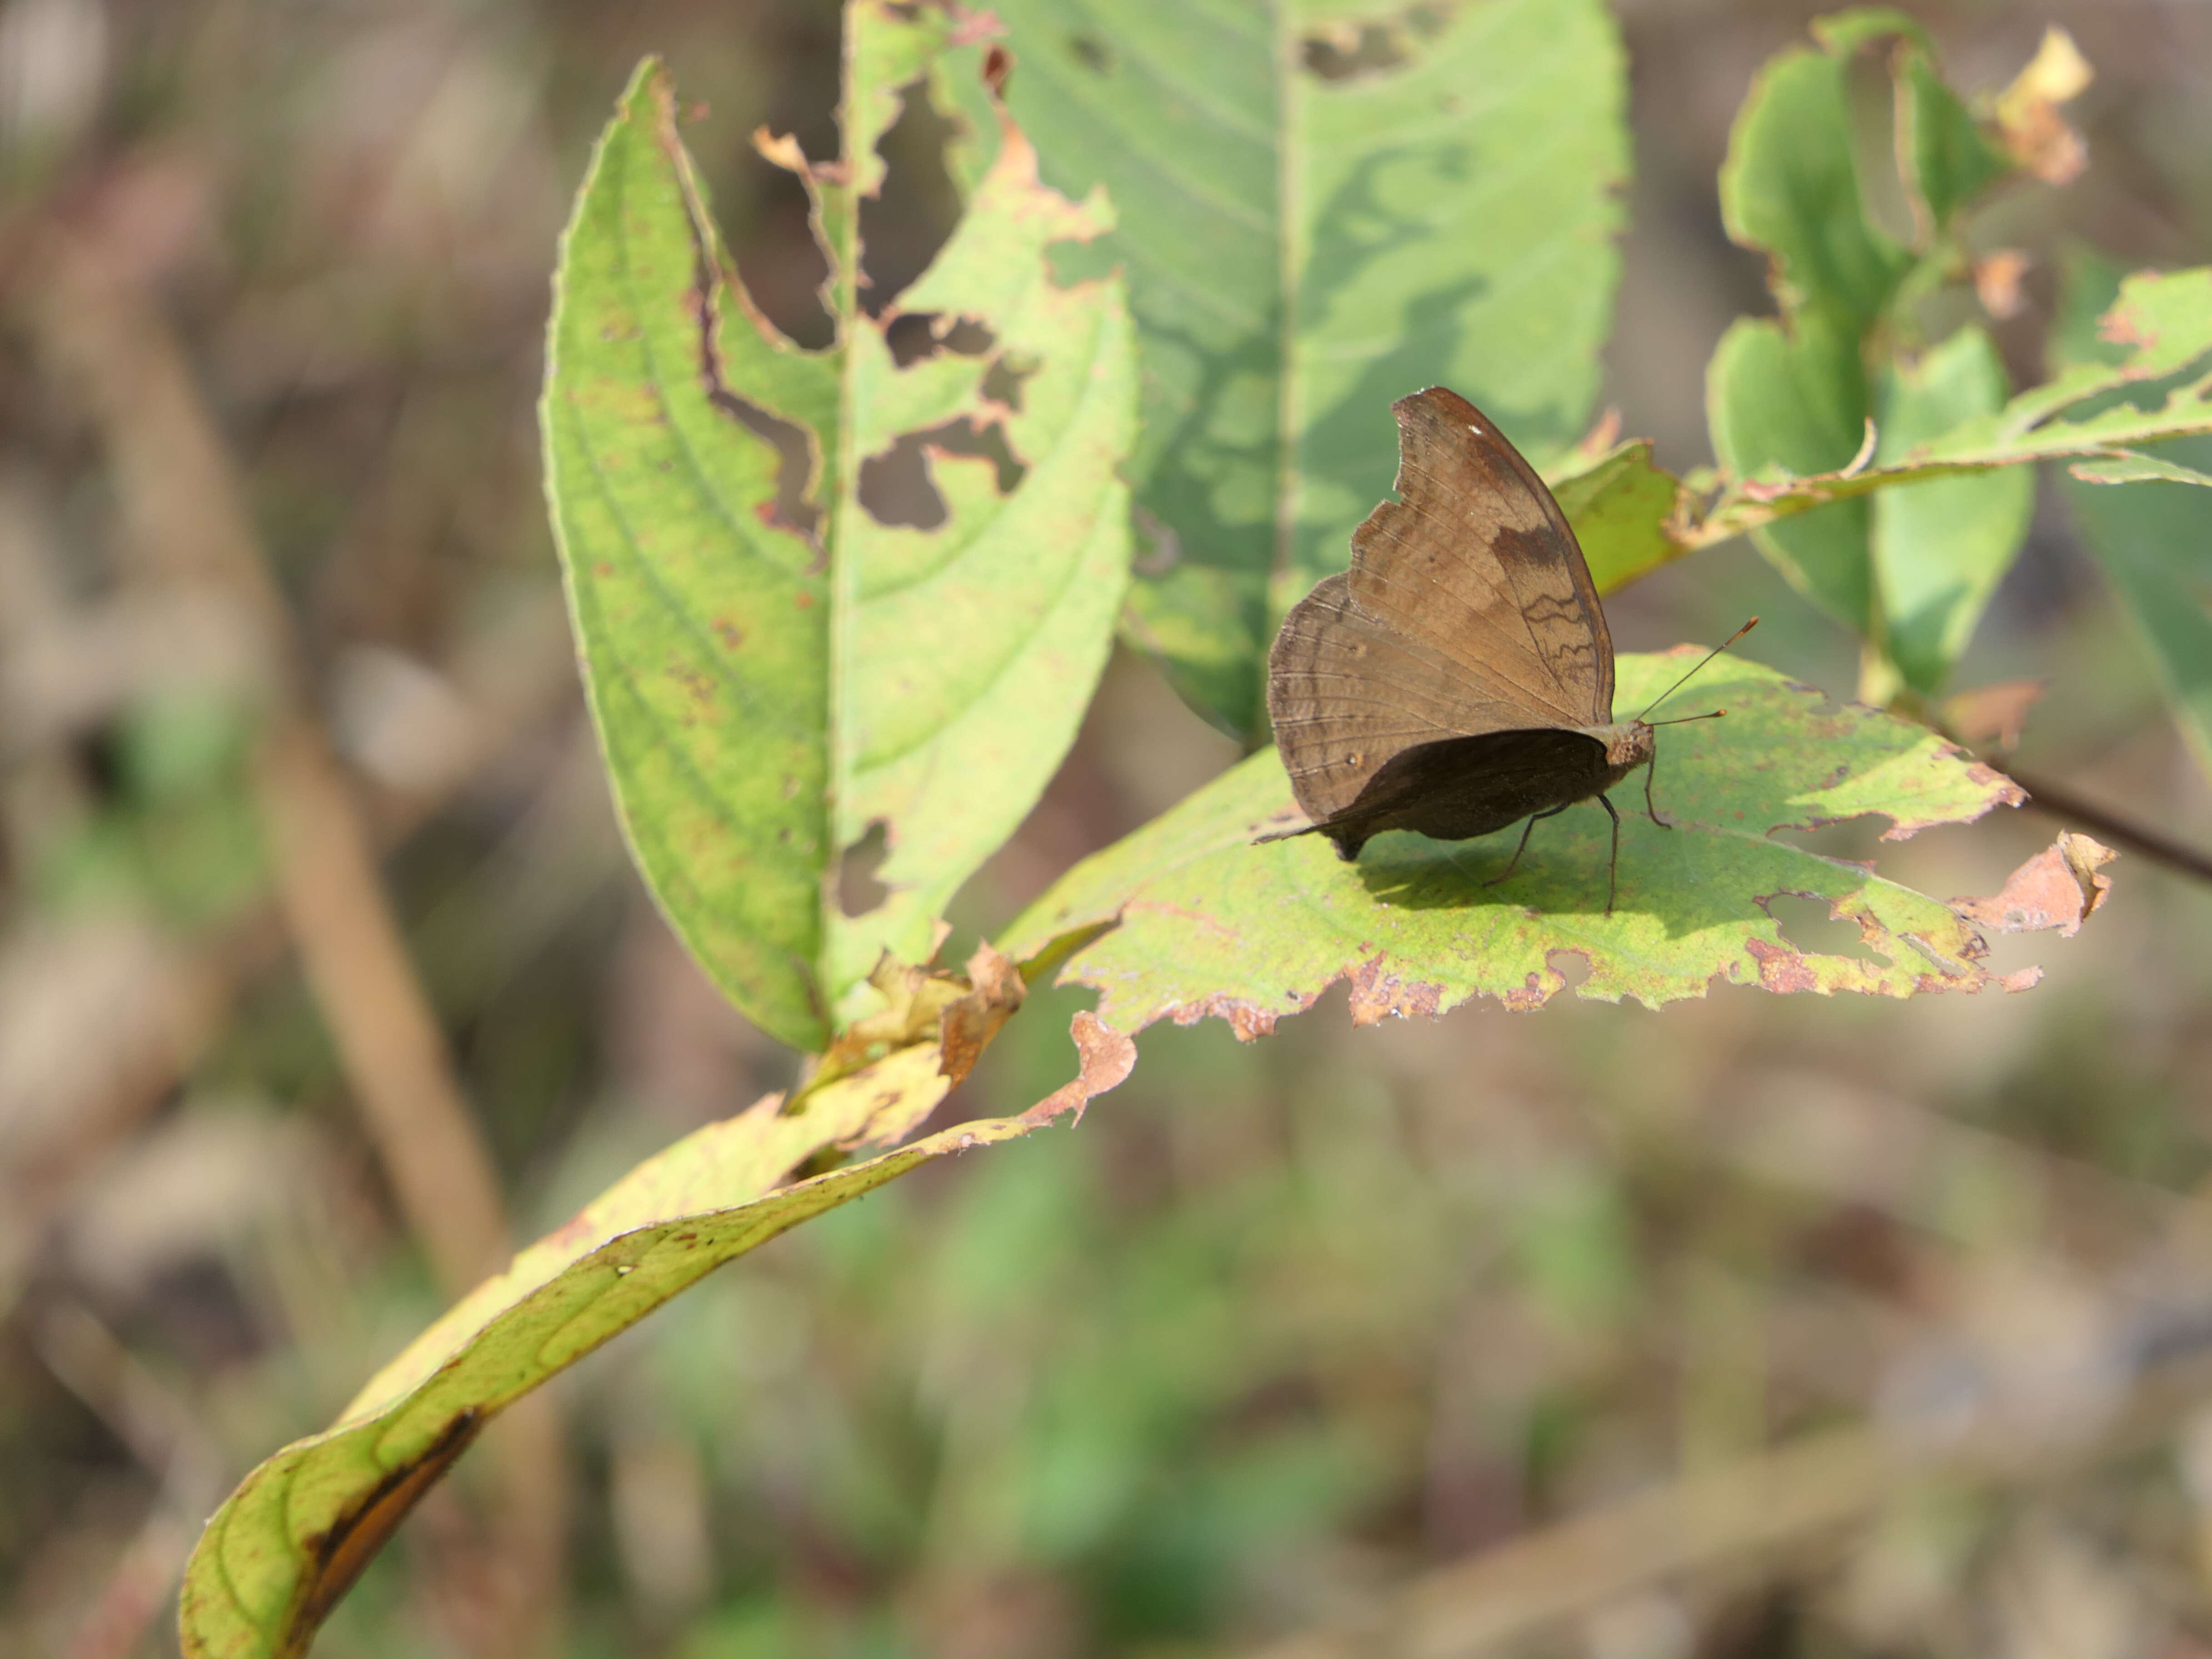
1278 1328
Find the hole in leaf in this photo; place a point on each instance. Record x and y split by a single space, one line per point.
1806 923
915 336
779 261
1091 52
795 461
911 336
779 258
1571 966
1351 51
968 338
1851 840
1002 381
896 488
858 891
904 224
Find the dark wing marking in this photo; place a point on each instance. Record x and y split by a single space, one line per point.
1469 609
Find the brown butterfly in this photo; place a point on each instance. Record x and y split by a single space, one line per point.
1459 677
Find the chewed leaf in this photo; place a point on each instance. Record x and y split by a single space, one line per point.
781 675
1791 396
1211 923
285 1546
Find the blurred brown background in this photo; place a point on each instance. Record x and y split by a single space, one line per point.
1865 1329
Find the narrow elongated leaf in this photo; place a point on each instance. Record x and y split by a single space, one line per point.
775 670
1211 923
286 1545
1323 207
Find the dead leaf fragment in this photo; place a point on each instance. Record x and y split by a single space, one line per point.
2027 113
970 1023
1106 1059
894 1066
2057 888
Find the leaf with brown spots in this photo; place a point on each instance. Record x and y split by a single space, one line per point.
780 673
1211 925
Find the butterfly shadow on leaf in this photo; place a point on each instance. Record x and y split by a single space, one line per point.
1684 879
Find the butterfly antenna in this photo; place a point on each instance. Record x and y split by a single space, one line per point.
1684 720
1702 661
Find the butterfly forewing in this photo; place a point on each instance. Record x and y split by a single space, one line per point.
1468 610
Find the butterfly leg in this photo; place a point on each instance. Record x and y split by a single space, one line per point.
1527 829
1612 870
1651 771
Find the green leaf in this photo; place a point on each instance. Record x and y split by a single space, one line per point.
1782 402
1793 397
775 671
1622 507
1941 547
1212 925
284 1547
1790 188
1325 207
